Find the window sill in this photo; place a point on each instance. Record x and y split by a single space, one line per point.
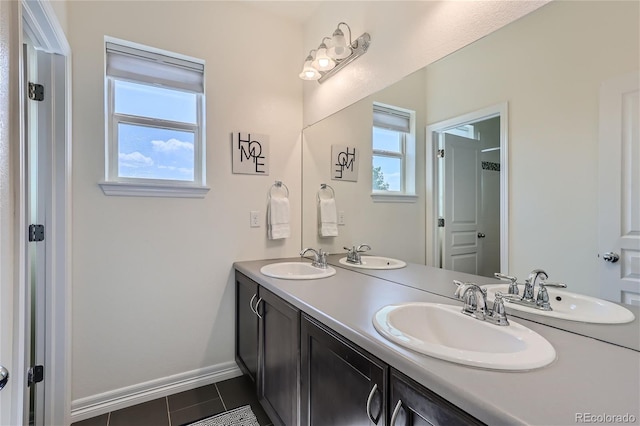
380 197
127 189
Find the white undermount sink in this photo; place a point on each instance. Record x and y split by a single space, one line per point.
296 271
569 306
375 262
442 331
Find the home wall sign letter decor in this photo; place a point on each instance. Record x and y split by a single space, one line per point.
344 163
250 152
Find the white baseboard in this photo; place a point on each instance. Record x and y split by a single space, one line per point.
91 406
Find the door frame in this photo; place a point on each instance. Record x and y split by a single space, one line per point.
433 191
37 21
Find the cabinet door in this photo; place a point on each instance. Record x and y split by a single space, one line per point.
278 383
342 385
246 326
412 404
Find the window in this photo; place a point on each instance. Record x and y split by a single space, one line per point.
154 122
393 151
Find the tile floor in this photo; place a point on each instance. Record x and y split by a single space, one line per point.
186 407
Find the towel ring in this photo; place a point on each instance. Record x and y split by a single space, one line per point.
325 187
279 185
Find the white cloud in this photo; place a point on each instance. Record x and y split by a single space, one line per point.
183 170
135 160
171 145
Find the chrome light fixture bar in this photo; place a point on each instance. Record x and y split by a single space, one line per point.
330 57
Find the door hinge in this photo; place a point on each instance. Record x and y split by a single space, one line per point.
440 222
36 92
36 233
35 374
441 153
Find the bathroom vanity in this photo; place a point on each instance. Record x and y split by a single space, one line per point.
312 350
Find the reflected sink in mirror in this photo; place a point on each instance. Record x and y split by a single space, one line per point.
570 306
375 262
296 271
443 332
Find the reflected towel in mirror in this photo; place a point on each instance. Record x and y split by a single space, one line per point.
327 217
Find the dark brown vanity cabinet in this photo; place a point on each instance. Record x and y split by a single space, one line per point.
307 374
341 384
268 348
246 326
411 404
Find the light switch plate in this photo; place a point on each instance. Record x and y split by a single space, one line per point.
341 217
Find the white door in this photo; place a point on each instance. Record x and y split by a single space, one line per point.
619 190
38 136
462 205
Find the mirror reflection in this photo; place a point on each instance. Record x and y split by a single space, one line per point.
550 71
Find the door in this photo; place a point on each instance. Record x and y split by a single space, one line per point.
247 325
341 384
279 358
38 139
413 404
619 190
462 204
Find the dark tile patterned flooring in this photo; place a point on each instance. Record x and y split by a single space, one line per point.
186 407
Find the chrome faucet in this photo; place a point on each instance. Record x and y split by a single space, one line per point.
529 297
353 253
477 307
530 284
319 257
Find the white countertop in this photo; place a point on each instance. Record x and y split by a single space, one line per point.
588 376
440 282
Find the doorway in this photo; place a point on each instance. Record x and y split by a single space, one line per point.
467 224
37 285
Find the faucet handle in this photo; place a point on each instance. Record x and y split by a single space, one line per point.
513 286
498 314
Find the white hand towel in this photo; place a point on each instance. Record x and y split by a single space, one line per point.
278 218
328 226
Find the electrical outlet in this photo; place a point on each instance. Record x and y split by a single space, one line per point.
254 220
341 217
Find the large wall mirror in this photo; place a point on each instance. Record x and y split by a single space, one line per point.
547 70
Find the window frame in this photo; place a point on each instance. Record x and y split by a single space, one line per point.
407 155
401 155
113 183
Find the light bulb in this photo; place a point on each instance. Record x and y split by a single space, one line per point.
308 71
339 48
322 61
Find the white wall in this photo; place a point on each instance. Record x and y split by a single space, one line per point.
550 74
153 291
405 36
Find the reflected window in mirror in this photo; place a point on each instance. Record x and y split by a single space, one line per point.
393 151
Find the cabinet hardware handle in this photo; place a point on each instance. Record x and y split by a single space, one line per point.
373 391
256 311
251 304
396 411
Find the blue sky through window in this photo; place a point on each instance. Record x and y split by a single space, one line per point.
154 152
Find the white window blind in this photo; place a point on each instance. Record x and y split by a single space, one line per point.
134 64
392 119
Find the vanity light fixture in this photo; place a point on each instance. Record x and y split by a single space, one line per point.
335 54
